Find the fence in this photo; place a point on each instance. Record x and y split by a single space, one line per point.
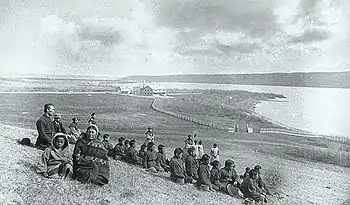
187 118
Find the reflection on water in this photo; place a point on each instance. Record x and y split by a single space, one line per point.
318 110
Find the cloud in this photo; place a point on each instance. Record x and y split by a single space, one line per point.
118 38
310 36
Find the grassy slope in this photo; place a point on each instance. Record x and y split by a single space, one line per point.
129 184
298 181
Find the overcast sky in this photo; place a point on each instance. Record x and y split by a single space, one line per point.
127 37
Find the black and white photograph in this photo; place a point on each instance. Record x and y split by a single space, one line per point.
175 102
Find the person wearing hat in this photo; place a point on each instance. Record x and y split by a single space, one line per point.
45 127
191 165
57 123
91 163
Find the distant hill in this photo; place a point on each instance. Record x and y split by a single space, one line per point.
319 79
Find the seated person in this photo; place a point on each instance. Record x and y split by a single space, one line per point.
90 158
214 176
250 189
177 170
119 149
259 180
131 154
246 173
228 174
74 131
204 182
149 160
141 153
107 145
191 164
57 124
161 160
56 160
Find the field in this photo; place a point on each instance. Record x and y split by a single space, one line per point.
296 175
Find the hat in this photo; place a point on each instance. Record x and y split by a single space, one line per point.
57 115
93 126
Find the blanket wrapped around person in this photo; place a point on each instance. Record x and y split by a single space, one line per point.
91 163
56 160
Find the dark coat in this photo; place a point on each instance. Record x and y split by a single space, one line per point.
46 131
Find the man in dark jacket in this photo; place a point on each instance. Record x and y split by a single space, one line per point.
45 127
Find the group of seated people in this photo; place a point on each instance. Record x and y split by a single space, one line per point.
89 162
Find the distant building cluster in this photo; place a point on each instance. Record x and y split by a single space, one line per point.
143 91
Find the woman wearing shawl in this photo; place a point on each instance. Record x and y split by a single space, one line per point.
56 160
91 163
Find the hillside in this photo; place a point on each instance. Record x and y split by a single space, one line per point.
321 79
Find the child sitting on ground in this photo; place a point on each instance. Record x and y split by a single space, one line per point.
214 176
204 182
191 165
177 170
119 149
161 160
246 173
141 153
131 154
149 160
56 160
107 145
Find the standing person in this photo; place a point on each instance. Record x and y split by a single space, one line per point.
149 136
92 119
56 160
90 158
196 150
214 153
74 131
57 123
200 149
45 127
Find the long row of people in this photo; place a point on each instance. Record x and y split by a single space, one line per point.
89 162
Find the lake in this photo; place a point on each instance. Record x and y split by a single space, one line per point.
324 111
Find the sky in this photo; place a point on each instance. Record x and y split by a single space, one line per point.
157 37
